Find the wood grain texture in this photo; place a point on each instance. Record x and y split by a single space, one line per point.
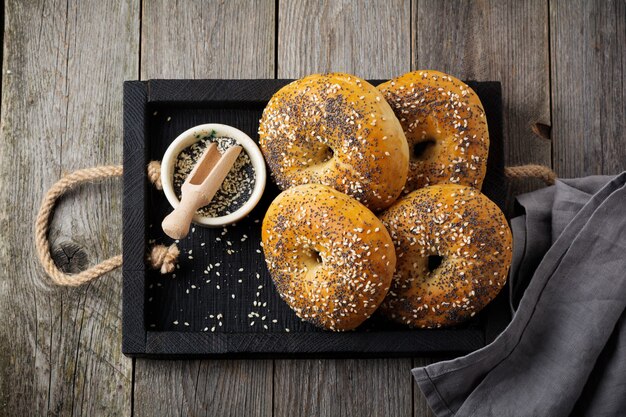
63 66
498 40
204 388
345 387
202 39
370 39
134 217
196 39
588 64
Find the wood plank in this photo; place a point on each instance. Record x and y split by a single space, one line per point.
588 63
63 68
203 388
199 39
371 41
196 39
504 41
343 387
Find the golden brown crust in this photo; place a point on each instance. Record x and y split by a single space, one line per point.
469 232
337 130
330 257
445 126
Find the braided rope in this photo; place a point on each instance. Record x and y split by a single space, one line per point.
161 257
42 224
164 258
154 174
531 171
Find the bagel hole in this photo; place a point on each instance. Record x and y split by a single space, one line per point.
434 261
421 150
317 257
328 154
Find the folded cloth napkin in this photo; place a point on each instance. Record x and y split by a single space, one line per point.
564 352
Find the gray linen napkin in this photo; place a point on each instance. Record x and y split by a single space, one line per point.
564 352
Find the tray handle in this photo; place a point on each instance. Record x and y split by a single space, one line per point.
160 257
541 172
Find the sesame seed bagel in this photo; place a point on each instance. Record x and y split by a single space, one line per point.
445 127
329 256
337 130
464 231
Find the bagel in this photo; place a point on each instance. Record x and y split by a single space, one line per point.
336 130
330 258
467 234
445 126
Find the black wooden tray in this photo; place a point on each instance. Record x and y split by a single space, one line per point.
187 315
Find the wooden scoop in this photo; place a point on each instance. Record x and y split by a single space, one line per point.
199 188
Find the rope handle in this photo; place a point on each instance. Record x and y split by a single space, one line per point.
42 224
541 172
160 257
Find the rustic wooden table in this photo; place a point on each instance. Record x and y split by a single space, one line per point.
562 65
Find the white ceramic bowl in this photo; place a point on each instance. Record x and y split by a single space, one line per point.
187 138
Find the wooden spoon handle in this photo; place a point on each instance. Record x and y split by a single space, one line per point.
194 196
176 224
